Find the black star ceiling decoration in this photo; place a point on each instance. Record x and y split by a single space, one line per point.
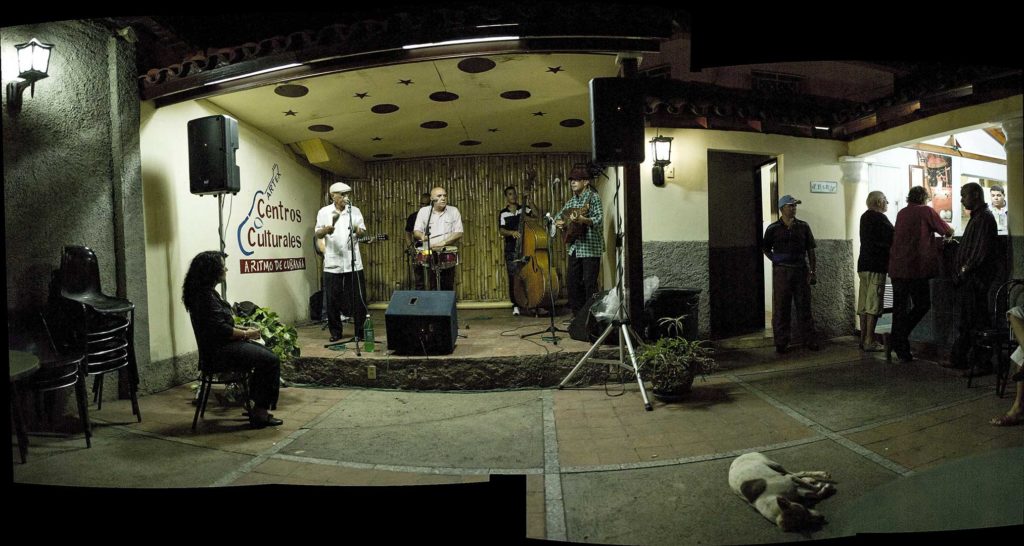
495 130
290 113
376 139
361 95
539 113
554 69
405 82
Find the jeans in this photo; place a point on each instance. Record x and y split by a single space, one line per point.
581 279
790 286
972 301
266 369
911 300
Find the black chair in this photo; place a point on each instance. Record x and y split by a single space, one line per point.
998 338
210 375
60 367
62 370
104 325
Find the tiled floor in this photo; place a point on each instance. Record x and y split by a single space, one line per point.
598 467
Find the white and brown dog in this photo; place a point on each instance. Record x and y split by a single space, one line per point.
777 494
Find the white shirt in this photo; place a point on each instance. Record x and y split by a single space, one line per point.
442 224
1001 221
337 257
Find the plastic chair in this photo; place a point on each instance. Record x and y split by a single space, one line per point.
59 367
210 376
998 338
62 370
105 324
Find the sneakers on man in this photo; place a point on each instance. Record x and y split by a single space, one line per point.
515 311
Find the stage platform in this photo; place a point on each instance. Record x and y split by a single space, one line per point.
489 354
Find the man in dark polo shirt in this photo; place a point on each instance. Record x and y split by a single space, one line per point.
975 270
789 244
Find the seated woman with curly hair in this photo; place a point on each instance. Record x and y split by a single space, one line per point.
225 346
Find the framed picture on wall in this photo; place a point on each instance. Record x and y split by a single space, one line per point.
916 175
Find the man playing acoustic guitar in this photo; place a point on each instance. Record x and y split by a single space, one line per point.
581 218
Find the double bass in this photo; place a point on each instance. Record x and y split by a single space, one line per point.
532 288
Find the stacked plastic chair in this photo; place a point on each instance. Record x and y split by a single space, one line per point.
103 326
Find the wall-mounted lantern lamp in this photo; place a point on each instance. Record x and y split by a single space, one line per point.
661 146
33 63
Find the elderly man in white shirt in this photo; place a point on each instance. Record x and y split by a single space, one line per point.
339 224
444 224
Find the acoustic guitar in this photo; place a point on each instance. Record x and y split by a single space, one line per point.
575 230
321 242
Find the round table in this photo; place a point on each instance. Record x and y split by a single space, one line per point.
22 365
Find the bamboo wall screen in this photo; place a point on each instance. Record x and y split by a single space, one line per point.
475 186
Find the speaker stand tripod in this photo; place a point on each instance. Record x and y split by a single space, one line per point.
620 323
626 342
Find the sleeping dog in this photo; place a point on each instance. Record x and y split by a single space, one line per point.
779 495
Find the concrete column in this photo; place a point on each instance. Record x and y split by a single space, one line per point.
855 169
1015 192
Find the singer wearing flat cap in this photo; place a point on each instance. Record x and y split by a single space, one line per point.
339 224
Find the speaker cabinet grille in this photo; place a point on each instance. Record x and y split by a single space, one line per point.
617 121
421 322
212 143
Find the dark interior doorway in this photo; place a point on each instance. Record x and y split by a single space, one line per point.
736 264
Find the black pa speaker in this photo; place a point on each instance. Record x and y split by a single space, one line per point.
212 143
587 327
617 121
421 322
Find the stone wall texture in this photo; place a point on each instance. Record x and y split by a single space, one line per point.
684 264
72 173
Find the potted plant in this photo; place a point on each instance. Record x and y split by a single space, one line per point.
278 336
671 363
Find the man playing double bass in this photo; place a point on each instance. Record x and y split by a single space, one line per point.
509 218
581 219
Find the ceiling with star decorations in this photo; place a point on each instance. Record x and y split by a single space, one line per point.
512 103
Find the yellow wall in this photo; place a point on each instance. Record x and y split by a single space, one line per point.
679 210
179 224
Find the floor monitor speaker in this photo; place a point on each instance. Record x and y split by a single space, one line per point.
421 322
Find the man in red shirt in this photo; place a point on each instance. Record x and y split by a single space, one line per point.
913 260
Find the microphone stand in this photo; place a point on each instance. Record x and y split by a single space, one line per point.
430 254
352 289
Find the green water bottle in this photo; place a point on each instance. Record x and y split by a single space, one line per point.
368 334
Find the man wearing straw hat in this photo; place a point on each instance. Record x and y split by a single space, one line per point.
586 250
343 266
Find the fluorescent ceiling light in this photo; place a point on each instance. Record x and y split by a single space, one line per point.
498 25
821 128
466 41
275 69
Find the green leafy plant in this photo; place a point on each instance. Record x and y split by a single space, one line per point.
279 337
671 363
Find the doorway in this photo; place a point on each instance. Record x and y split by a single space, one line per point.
735 229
